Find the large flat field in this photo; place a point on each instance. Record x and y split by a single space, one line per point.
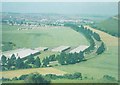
99 65
44 36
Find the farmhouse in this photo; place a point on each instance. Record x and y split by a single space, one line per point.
21 53
42 48
78 49
61 48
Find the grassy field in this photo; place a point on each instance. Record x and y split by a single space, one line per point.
99 65
110 25
44 36
64 81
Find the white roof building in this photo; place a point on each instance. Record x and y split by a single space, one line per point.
20 53
42 48
61 48
78 49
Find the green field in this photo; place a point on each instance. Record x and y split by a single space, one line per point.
110 25
99 65
94 69
44 36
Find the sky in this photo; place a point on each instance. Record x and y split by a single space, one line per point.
96 8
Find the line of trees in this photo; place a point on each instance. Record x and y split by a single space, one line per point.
19 63
70 58
90 36
30 62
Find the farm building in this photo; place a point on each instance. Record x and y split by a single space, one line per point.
78 49
61 48
42 48
21 53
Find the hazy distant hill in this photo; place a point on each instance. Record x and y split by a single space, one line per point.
110 26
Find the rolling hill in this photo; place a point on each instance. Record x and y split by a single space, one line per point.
110 26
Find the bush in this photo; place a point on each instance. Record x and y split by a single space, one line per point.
23 77
107 77
37 78
15 78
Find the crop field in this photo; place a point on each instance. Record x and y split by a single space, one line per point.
44 36
17 73
100 65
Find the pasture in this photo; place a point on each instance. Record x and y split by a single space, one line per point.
44 36
109 25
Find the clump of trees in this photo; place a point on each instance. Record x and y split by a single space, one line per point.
90 35
70 58
101 49
19 63
108 77
37 78
8 46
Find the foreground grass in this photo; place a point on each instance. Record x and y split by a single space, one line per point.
18 73
64 81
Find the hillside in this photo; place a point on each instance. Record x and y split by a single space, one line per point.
110 26
100 65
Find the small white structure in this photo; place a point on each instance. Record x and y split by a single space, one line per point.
21 53
78 49
61 48
42 48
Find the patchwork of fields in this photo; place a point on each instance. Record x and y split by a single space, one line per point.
100 65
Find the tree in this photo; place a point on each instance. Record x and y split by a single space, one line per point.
45 61
37 78
31 59
77 75
9 63
101 49
52 58
37 62
13 59
3 59
62 58
96 36
19 63
81 56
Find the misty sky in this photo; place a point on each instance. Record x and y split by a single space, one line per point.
97 8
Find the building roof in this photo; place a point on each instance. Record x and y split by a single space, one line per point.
41 48
60 48
20 53
79 48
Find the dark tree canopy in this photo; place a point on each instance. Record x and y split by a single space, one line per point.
3 59
37 62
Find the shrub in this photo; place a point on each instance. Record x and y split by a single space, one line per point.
108 77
